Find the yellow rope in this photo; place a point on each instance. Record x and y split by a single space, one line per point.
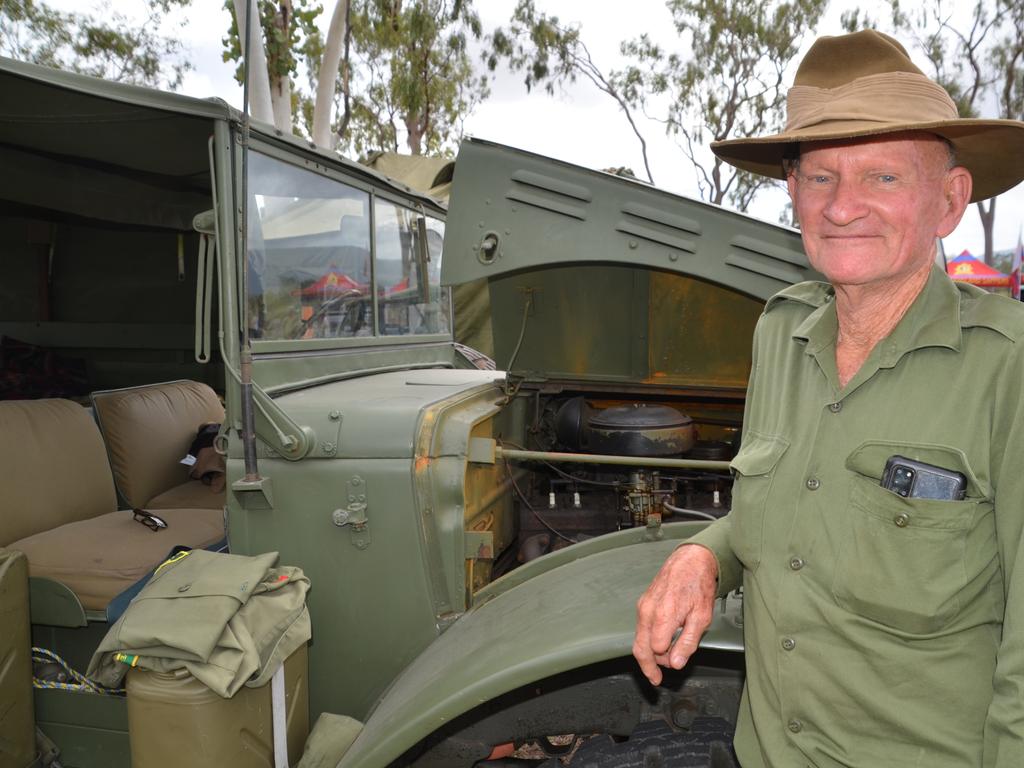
81 683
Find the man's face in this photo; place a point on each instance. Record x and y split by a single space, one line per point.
870 209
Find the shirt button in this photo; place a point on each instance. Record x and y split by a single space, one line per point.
902 519
835 407
795 725
788 643
796 563
813 483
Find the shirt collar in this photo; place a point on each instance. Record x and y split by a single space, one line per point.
933 320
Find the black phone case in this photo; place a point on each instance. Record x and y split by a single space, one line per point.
929 481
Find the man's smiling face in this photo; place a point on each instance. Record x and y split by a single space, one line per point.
870 209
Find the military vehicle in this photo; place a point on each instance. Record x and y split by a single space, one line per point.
476 540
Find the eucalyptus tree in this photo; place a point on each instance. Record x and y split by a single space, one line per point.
112 45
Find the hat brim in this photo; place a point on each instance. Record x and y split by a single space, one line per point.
992 150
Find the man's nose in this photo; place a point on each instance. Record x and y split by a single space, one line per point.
846 204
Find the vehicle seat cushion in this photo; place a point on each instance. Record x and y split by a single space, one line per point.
191 494
54 467
148 431
99 558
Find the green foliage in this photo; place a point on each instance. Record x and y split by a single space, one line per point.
551 53
412 73
730 85
957 53
540 45
407 70
1008 58
978 59
289 32
112 47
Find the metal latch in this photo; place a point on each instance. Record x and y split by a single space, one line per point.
353 514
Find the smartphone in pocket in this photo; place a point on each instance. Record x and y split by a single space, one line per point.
918 480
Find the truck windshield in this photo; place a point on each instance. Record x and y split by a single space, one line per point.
327 260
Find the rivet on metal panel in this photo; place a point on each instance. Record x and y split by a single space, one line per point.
327 446
334 415
340 517
357 480
673 256
633 244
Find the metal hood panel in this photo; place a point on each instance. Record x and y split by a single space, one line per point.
512 210
600 279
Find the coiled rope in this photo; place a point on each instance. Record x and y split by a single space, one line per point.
76 680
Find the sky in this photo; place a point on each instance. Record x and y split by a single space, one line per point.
579 124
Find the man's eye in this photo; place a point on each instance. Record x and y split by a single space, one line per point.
886 178
818 179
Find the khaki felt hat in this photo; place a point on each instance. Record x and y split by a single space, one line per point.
864 84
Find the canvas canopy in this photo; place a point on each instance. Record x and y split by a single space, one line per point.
965 268
96 149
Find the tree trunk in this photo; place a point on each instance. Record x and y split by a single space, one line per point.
988 218
259 82
414 128
334 49
281 84
281 100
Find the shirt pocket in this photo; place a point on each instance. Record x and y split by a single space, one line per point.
907 563
754 469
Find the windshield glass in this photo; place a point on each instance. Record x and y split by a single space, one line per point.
311 270
405 308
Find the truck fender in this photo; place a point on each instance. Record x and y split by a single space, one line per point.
574 615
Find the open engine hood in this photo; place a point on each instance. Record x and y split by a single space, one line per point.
595 277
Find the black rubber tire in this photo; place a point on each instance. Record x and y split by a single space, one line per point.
706 744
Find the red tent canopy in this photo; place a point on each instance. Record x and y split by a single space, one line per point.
332 283
968 269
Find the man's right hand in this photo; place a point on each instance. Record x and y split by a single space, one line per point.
681 595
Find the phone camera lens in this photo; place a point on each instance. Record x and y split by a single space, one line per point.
903 481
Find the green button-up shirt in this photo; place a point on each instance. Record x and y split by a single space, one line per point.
879 630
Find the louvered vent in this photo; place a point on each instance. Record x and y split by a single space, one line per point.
772 261
659 227
550 194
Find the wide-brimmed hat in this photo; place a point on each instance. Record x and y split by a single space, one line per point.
864 84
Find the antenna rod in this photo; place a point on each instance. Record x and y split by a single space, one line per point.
245 355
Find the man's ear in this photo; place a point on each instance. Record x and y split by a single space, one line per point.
957 188
791 186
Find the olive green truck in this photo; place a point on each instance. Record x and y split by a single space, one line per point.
475 539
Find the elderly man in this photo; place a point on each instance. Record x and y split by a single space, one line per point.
880 629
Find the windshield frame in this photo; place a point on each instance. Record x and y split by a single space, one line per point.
376 194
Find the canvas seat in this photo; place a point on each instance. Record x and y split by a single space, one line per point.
59 506
100 557
148 430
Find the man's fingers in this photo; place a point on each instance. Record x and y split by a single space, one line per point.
647 660
697 621
679 600
649 666
664 631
